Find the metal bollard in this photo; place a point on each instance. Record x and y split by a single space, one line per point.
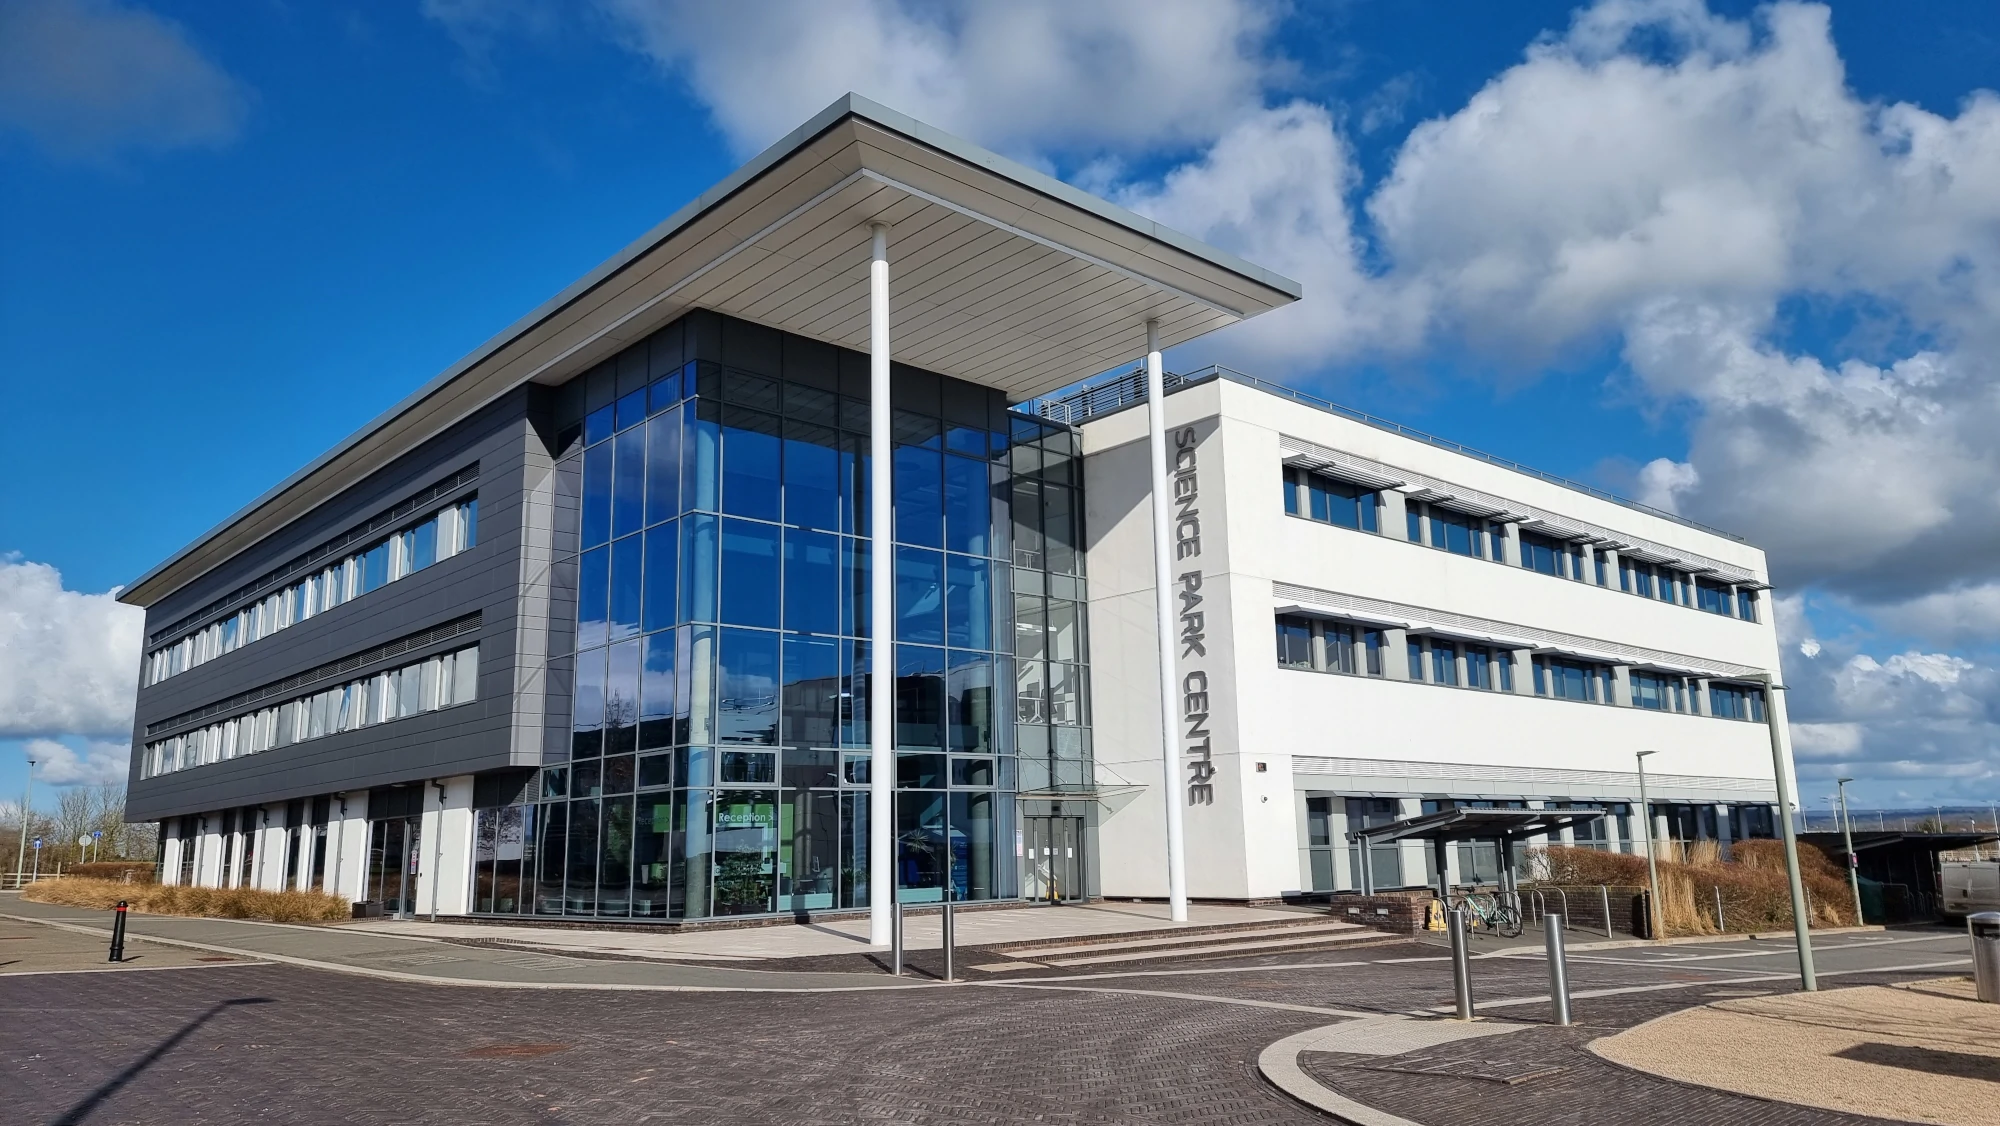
118 933
950 937
1720 924
1604 900
896 939
1552 938
1984 927
1461 964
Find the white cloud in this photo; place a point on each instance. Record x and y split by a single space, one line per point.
1663 480
87 78
98 764
1274 189
69 662
1030 75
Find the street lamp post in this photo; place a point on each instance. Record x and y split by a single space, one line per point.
1847 838
27 803
1801 923
1652 862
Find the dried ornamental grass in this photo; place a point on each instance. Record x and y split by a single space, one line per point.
1754 892
199 902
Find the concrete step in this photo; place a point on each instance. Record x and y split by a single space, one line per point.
1243 947
1173 937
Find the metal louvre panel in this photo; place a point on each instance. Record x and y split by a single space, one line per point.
1365 471
1556 779
1465 625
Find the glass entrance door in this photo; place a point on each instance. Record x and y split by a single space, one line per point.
1052 859
394 848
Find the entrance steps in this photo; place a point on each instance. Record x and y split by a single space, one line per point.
1209 942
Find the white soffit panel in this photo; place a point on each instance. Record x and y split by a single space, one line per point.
998 274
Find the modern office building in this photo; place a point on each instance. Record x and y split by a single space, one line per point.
592 624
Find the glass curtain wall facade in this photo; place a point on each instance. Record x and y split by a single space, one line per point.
713 509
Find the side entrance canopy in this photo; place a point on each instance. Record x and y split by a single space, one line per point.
1449 825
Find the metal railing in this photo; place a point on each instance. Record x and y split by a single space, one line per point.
1121 391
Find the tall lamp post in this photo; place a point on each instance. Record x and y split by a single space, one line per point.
1652 862
1847 839
1801 923
27 803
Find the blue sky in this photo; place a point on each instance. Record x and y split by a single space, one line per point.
233 235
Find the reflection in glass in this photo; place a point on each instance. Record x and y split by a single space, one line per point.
621 699
972 837
614 866
626 582
747 710
652 826
588 706
746 852
549 847
663 467
812 581
580 888
923 854
970 706
689 856
969 603
967 511
662 569
593 597
596 514
919 596
749 573
808 850
919 497
854 856
628 490
810 699
698 550
812 476
656 691
750 454
920 696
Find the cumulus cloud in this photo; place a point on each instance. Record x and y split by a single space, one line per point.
98 763
88 78
69 662
1022 77
1274 189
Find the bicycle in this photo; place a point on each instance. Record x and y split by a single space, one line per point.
1494 912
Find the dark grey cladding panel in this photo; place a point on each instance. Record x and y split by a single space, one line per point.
510 448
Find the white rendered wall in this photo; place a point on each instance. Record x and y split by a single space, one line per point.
347 844
170 863
1247 843
444 868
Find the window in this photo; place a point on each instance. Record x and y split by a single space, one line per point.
1294 642
1713 598
1736 701
1343 647
429 685
1478 667
1562 678
446 533
1458 533
1658 691
1746 605
1543 553
1337 502
1444 661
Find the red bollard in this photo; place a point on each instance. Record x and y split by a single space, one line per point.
118 933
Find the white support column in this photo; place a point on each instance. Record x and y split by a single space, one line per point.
1170 778
882 612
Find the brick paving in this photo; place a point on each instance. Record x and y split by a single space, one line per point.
283 1044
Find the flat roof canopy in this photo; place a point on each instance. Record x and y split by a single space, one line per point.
1476 825
999 275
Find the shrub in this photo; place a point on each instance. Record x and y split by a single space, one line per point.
1751 884
211 903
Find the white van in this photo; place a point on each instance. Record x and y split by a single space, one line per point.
1969 886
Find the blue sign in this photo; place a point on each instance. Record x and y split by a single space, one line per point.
96 833
38 842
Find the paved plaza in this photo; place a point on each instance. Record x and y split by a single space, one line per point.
1179 1039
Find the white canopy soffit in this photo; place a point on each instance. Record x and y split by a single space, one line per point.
998 274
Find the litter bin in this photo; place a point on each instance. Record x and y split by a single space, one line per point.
1985 928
